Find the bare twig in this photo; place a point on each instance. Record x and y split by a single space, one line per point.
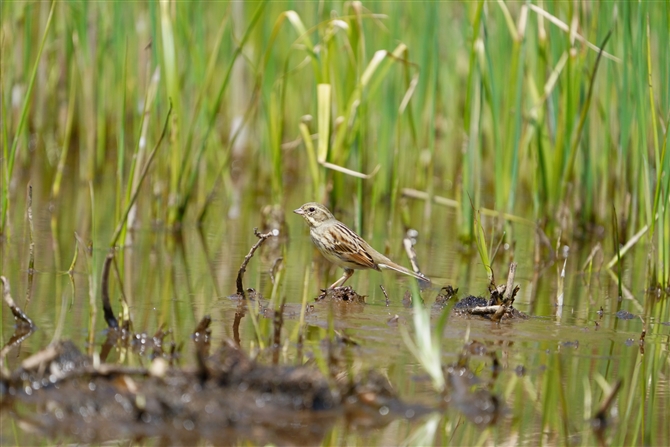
497 316
19 315
600 421
243 268
106 305
277 323
640 342
485 310
509 295
46 355
239 314
409 249
31 250
17 338
388 302
23 329
201 337
125 316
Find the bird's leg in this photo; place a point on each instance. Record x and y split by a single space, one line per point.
343 279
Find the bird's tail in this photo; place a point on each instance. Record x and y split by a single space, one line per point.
424 281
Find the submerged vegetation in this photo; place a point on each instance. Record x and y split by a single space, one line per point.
518 132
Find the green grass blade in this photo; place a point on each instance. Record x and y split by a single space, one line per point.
22 123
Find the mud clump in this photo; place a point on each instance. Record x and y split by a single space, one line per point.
484 308
445 295
470 302
498 307
341 294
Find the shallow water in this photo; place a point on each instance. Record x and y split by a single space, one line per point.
554 368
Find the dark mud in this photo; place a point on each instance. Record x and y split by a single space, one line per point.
341 294
228 397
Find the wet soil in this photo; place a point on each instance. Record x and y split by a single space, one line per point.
228 397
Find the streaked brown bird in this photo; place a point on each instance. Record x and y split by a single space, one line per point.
345 248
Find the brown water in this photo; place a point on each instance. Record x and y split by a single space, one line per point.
175 284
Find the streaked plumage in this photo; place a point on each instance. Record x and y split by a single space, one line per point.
343 247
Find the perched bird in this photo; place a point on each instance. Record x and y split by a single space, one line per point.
343 247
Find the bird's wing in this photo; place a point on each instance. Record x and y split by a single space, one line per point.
352 248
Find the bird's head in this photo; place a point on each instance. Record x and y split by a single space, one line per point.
314 213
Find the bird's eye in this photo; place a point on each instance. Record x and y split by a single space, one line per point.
312 209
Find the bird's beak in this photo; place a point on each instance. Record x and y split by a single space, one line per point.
299 211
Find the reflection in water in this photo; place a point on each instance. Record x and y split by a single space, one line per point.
176 281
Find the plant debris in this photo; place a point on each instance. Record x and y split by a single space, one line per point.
498 306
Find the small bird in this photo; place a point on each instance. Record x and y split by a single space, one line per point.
343 247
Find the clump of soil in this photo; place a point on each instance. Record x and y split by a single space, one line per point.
498 307
445 295
484 308
470 302
342 294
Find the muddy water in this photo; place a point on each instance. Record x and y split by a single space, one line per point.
172 282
